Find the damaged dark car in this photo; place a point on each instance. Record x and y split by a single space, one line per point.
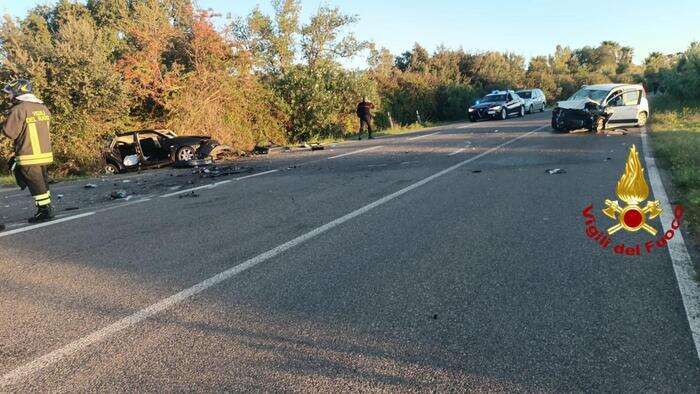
143 149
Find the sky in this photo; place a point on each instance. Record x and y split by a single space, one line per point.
525 27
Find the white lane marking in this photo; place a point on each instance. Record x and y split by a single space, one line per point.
32 367
682 263
458 151
177 193
139 201
355 152
213 185
422 136
45 224
254 175
466 126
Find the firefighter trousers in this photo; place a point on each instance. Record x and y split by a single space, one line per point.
36 178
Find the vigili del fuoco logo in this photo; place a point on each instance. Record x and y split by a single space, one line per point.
633 215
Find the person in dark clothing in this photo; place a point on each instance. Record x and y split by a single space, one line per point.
364 112
27 125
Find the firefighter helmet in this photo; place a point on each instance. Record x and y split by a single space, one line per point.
18 87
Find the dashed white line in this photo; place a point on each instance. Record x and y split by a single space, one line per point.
45 224
458 151
422 136
682 263
255 175
18 374
356 152
185 191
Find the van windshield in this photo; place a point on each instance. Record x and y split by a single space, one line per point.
526 94
595 95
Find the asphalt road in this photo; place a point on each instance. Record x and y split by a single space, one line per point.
442 260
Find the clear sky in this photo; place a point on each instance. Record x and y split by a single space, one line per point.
526 27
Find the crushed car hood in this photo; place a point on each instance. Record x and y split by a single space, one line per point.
575 104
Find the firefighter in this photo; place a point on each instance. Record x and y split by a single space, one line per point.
364 112
27 125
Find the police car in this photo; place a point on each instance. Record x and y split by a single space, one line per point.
499 104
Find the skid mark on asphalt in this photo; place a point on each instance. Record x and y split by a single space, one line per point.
19 374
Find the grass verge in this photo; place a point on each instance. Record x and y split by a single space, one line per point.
676 140
6 180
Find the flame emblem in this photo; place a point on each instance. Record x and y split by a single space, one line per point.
633 190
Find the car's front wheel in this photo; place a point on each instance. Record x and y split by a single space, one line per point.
504 114
186 153
522 111
598 125
110 169
642 119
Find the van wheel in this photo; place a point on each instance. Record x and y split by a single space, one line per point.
642 119
598 125
110 169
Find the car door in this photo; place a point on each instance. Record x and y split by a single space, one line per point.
511 104
624 106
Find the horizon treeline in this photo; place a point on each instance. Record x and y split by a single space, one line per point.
104 66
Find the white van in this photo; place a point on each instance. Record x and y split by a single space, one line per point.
598 107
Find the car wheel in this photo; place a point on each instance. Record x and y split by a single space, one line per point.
504 114
111 169
598 125
186 153
529 110
642 119
472 119
542 109
522 111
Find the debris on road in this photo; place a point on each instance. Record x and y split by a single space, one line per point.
189 195
476 171
217 171
305 147
615 132
193 163
119 194
90 186
555 171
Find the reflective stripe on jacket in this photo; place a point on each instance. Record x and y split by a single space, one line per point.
27 125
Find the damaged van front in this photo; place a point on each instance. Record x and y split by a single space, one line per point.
583 110
599 107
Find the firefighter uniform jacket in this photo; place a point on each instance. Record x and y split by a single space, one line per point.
27 125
